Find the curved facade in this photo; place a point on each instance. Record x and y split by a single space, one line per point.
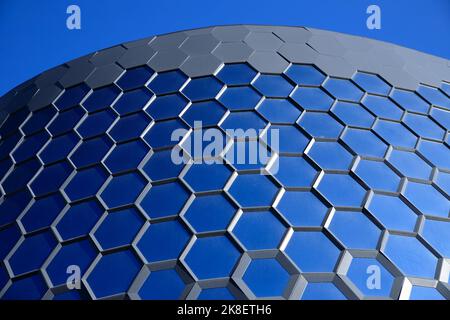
122 173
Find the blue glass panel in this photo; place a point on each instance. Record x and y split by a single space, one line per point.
240 98
320 125
72 97
377 175
166 107
236 74
424 126
312 98
79 219
305 74
252 190
217 174
248 155
294 172
363 270
215 294
163 241
354 230
65 121
9 143
266 278
259 230
435 96
410 164
202 88
58 148
13 121
119 228
322 291
30 288
246 124
425 293
101 98
410 256
330 155
208 113
80 253
290 139
164 200
343 89
162 284
221 254
12 206
395 134
70 295
273 85
382 107
364 142
210 213
129 127
160 134
38 120
20 176
427 199
437 153
437 233
91 151
114 273
279 111
443 181
441 116
8 238
167 82
126 156
392 212
132 101
371 83
122 190
312 251
86 183
43 212
341 190
134 78
32 252
302 208
30 146
51 178
409 101
160 166
96 124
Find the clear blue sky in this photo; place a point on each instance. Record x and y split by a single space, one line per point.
34 36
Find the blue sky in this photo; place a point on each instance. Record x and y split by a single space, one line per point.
35 38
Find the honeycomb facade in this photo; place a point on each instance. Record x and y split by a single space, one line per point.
358 207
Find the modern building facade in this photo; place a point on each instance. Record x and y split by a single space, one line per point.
231 162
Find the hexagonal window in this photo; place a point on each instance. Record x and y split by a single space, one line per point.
221 254
240 98
30 146
427 199
65 121
160 135
13 205
330 155
163 241
79 219
86 183
294 172
58 148
312 98
322 291
217 293
113 274
50 178
279 111
437 153
434 95
266 278
118 228
101 98
166 107
410 256
439 115
243 124
409 100
320 125
236 74
126 156
392 212
29 288
248 154
382 107
122 190
341 190
202 88
371 83
208 113
42 212
253 190
425 293
302 209
312 251
377 175
38 120
436 232
80 253
167 82
129 127
160 166
132 101
364 143
410 164
20 176
443 181
199 213
163 284
164 200
134 78
305 75
259 230
353 114
91 151
395 133
343 89
354 230
218 175
290 139
271 85
424 126
72 97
